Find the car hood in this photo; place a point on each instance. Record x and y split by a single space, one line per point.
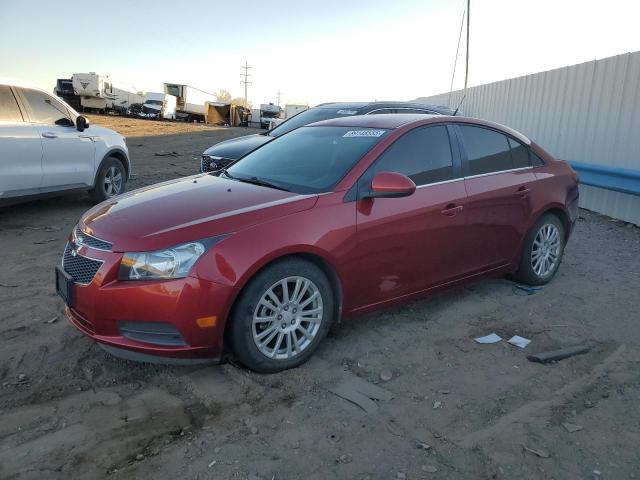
235 148
191 208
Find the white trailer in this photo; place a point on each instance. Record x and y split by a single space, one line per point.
291 109
98 92
160 105
190 101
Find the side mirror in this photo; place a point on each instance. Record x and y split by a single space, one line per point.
82 123
391 185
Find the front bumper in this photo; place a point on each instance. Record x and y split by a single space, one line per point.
192 309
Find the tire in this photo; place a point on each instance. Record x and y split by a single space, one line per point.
546 240
281 325
105 188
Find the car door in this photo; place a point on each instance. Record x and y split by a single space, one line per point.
409 244
20 149
499 181
68 155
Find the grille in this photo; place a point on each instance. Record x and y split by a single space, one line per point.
81 269
82 238
210 163
205 164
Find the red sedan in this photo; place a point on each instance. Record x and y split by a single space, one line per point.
331 220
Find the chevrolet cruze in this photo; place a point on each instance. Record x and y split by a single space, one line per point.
331 220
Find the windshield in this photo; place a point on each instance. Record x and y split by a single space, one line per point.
154 102
310 116
308 160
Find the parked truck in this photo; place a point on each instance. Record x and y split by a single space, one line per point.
98 92
159 105
265 115
190 101
64 90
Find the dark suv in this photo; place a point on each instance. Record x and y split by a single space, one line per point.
224 153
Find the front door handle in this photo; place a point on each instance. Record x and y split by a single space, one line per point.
451 210
49 135
523 191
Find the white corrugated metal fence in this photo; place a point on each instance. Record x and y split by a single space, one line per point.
588 113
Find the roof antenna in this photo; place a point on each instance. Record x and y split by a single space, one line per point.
460 104
466 66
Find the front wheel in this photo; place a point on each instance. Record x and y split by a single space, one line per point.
542 251
110 181
282 316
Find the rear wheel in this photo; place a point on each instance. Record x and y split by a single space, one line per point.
111 180
282 316
542 251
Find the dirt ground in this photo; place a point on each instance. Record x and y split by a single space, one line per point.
453 408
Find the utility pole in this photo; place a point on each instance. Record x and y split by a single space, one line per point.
245 75
279 94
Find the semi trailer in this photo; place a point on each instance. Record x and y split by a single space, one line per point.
190 101
99 93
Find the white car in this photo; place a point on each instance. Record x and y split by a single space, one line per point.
47 147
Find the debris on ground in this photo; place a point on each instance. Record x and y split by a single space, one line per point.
429 469
52 320
437 404
386 375
519 341
491 338
555 355
361 393
423 446
167 154
525 290
539 453
571 427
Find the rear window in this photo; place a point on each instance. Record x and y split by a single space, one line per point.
487 151
9 111
310 159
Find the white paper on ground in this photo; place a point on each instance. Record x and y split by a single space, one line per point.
519 341
491 338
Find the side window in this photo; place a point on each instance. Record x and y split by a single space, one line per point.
423 155
519 154
382 110
536 161
487 151
45 109
9 111
412 110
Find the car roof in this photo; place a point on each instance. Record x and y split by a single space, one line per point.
369 106
396 120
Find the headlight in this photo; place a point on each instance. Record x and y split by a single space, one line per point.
175 262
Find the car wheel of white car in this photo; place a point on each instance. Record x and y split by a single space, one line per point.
110 181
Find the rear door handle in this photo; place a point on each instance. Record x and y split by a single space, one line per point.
49 135
523 191
451 210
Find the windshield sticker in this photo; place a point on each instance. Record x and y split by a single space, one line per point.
347 112
364 133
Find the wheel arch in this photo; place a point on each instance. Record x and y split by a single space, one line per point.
316 258
560 212
116 153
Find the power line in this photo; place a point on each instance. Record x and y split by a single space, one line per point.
245 75
455 62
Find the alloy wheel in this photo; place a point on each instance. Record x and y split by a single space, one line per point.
545 252
287 318
112 181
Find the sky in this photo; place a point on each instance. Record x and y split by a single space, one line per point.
310 51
